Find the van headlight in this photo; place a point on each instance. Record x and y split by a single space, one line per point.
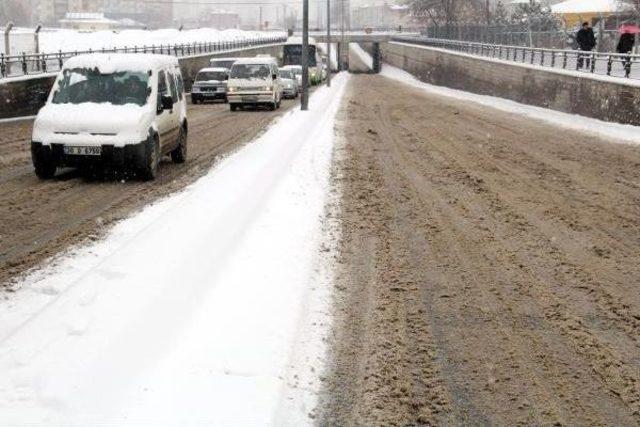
267 88
232 89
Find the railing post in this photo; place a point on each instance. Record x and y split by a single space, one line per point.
60 59
593 63
3 66
627 67
553 59
44 63
609 65
564 60
24 63
542 58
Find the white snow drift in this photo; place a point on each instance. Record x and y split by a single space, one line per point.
53 40
197 311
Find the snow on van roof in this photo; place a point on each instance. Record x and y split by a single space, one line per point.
298 40
114 62
214 70
254 61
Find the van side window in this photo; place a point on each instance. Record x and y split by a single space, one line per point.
162 86
180 86
172 86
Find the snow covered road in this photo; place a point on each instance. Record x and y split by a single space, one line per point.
198 310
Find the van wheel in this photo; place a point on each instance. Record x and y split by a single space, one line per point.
233 107
150 159
278 103
43 163
179 155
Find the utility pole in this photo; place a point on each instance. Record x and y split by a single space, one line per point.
304 98
344 50
328 43
260 20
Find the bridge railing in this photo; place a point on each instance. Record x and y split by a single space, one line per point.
603 63
33 64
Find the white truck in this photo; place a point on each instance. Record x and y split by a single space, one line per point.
122 109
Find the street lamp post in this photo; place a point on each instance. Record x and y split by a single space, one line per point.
304 97
329 43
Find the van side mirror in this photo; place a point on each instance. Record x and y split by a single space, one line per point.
226 77
274 76
167 102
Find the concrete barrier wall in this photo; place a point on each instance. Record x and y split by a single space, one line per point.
590 96
25 96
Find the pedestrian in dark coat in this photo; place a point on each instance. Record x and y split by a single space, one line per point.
626 43
625 47
586 42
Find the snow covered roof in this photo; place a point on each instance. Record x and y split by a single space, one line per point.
264 60
588 6
214 70
114 62
87 17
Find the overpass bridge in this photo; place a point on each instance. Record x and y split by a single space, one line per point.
342 39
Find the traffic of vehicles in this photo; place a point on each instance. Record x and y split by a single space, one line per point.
129 110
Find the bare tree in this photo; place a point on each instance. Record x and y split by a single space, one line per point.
449 13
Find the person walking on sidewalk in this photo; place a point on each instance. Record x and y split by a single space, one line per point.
586 42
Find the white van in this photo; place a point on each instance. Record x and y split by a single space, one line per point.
123 109
254 81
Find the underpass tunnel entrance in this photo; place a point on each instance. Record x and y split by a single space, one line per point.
359 57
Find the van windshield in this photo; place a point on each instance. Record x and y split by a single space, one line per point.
205 76
250 71
80 85
286 74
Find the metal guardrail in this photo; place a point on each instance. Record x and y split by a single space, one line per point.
603 63
33 64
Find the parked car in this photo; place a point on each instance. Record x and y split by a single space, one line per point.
122 109
210 84
254 82
290 88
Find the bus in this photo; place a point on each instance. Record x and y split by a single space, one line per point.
292 55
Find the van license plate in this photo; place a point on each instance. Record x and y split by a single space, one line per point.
82 151
249 99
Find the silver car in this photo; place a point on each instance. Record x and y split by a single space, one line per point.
290 87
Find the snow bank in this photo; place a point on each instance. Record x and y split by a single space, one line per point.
53 40
614 132
589 6
188 313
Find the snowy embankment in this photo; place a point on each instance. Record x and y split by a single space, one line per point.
614 132
54 40
197 311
